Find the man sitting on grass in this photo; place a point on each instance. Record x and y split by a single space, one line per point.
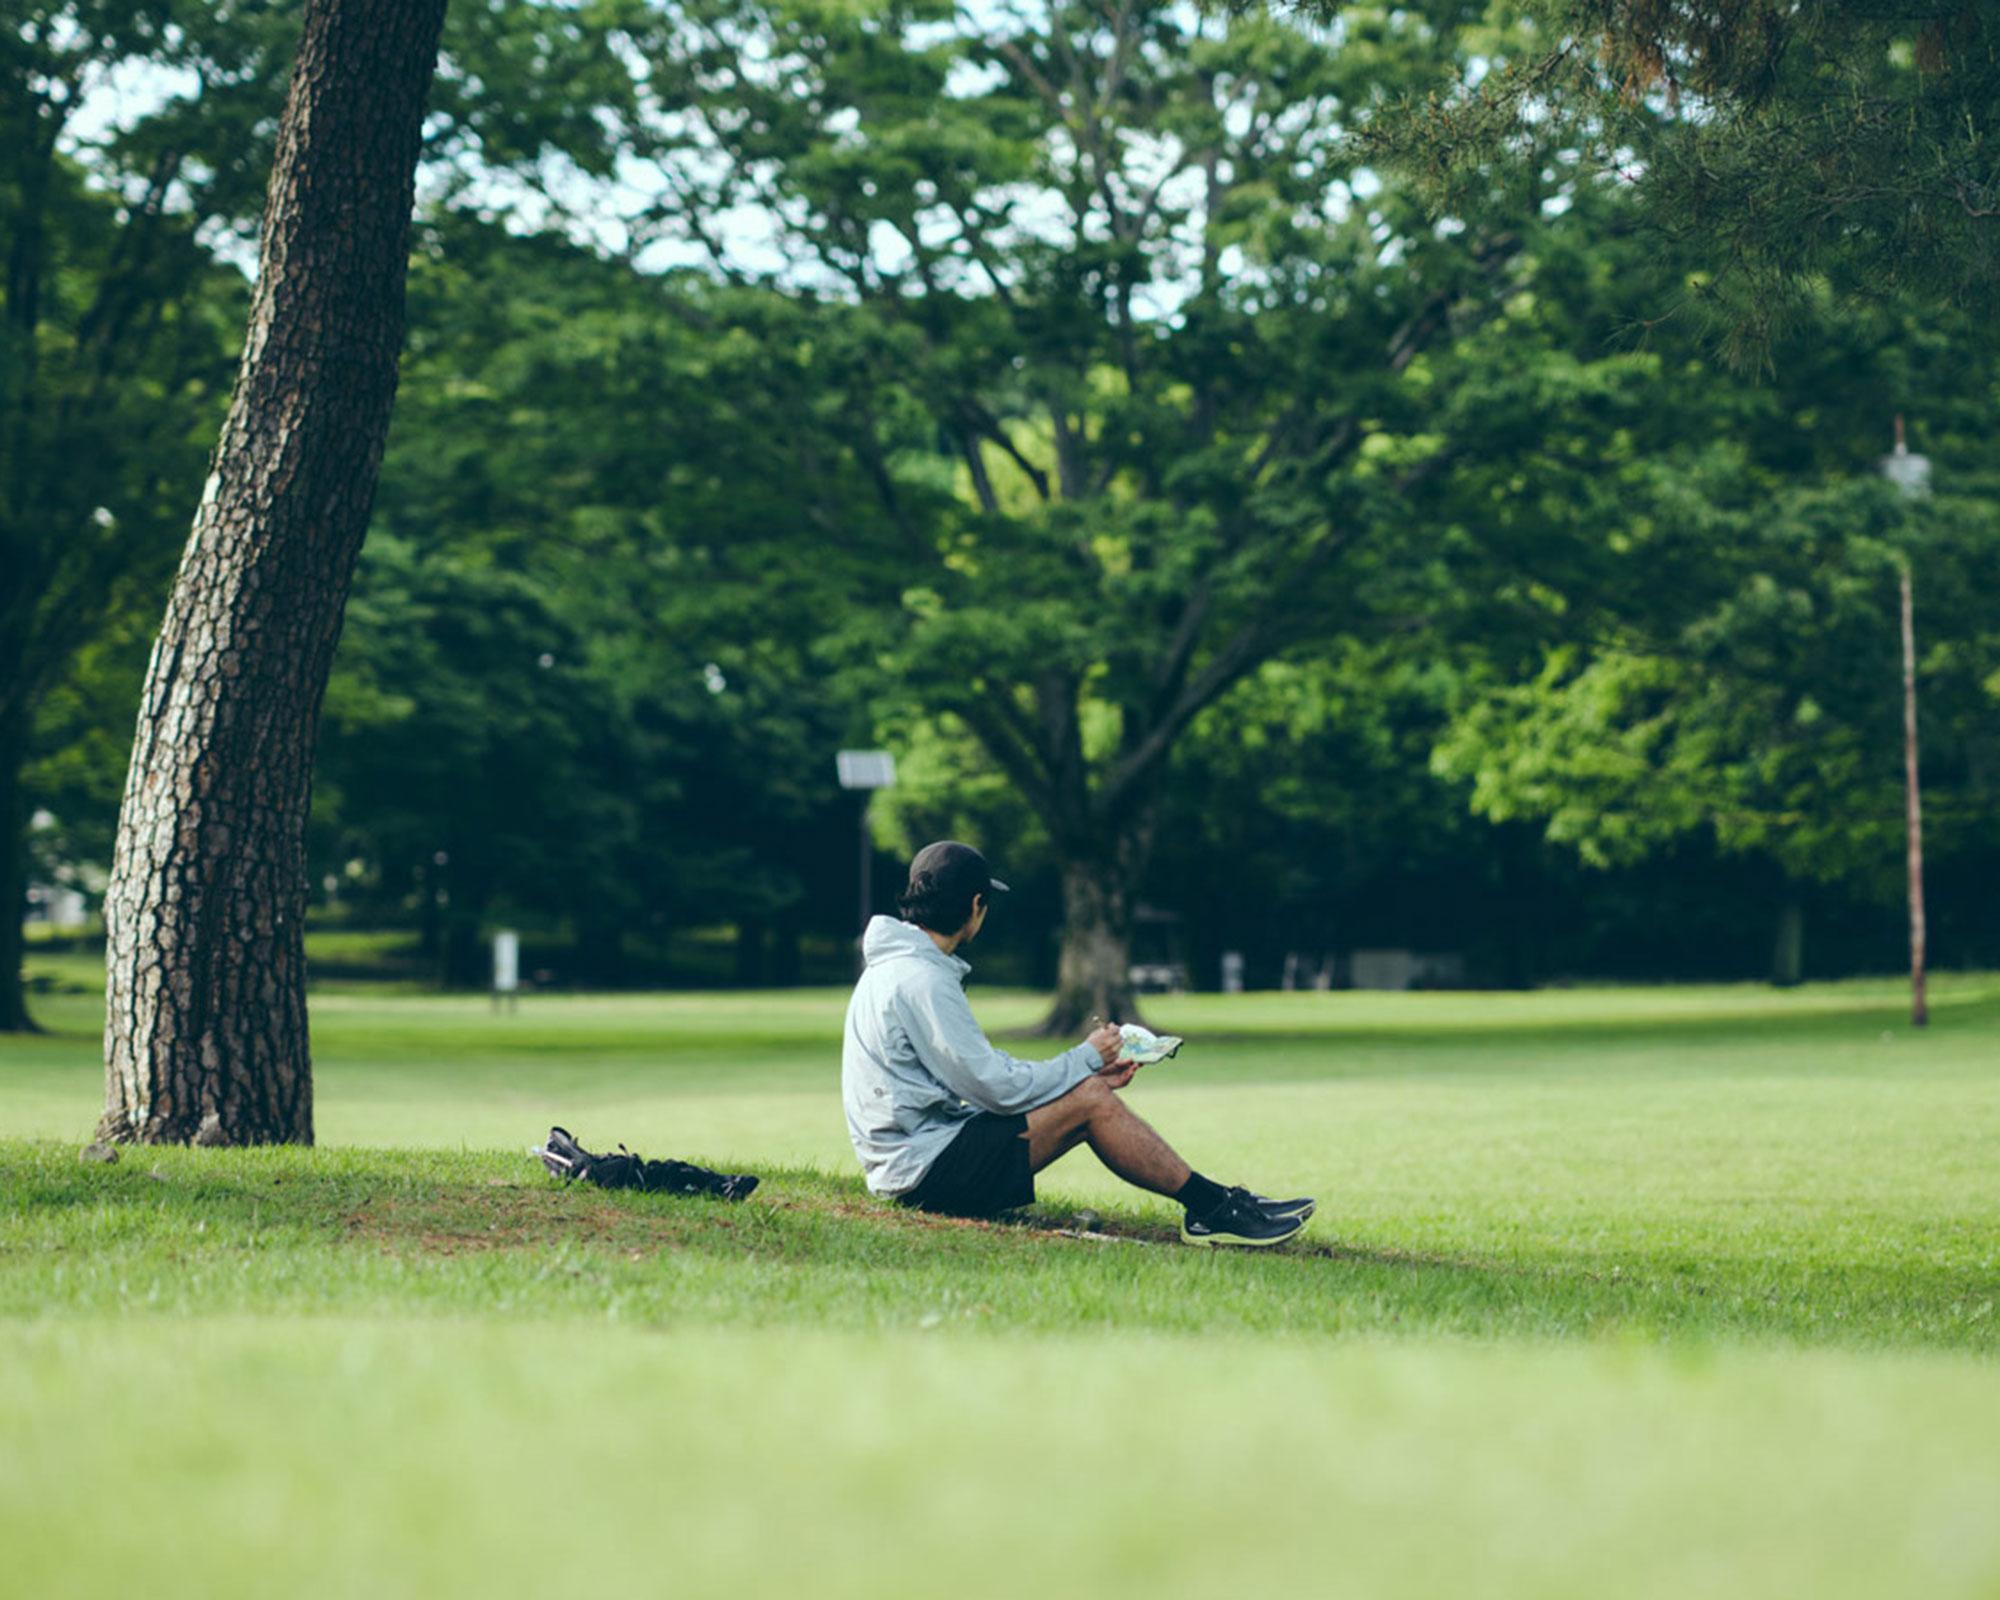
944 1121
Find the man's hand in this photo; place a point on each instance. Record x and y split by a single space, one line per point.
1117 1077
1107 1041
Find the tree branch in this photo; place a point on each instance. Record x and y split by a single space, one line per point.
1242 654
870 452
982 485
997 723
990 427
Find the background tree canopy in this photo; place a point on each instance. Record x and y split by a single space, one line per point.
1249 555
1855 142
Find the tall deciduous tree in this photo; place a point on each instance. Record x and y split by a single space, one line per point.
205 1030
1127 354
541 675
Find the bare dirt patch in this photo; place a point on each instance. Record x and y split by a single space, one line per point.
454 1223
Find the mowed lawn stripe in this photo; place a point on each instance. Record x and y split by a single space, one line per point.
332 1457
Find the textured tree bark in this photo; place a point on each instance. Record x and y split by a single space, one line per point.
1788 962
1094 970
205 1026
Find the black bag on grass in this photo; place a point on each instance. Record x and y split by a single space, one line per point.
567 1159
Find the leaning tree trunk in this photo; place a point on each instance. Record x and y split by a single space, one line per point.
1094 970
205 1026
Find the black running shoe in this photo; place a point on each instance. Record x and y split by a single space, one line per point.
1300 1208
1238 1220
563 1156
736 1185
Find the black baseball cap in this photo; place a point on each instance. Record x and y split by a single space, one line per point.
949 867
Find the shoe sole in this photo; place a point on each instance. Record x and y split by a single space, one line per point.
1208 1241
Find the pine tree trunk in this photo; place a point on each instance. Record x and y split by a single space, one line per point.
205 1025
1788 955
14 1016
1094 970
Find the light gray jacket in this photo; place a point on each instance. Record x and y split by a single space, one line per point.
914 1066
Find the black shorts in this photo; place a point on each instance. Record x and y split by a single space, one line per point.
982 1171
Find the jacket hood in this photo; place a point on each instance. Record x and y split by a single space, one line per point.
892 939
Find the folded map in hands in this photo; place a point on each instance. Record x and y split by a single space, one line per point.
1142 1047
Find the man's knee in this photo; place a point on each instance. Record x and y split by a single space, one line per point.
1089 1102
1094 1096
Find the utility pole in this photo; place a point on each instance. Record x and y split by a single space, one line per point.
1911 474
1913 809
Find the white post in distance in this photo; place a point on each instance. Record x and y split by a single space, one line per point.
865 771
506 969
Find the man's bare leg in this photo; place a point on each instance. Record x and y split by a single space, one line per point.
1067 1143
1121 1139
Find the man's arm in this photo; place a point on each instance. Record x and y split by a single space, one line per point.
950 1043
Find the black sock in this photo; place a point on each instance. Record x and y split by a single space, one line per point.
1200 1195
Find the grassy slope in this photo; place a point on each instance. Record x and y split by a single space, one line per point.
1645 1291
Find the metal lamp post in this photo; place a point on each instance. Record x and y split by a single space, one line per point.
1911 474
867 771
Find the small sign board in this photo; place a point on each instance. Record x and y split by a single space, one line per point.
866 769
1908 472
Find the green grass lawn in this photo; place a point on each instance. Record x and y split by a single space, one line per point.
1632 1291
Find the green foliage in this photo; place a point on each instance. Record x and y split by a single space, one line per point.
1786 144
554 673
1119 348
131 179
1720 653
115 345
1092 425
116 327
1295 798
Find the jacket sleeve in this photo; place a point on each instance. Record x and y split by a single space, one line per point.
938 1019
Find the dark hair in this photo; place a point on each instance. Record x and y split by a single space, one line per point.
941 907
945 878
